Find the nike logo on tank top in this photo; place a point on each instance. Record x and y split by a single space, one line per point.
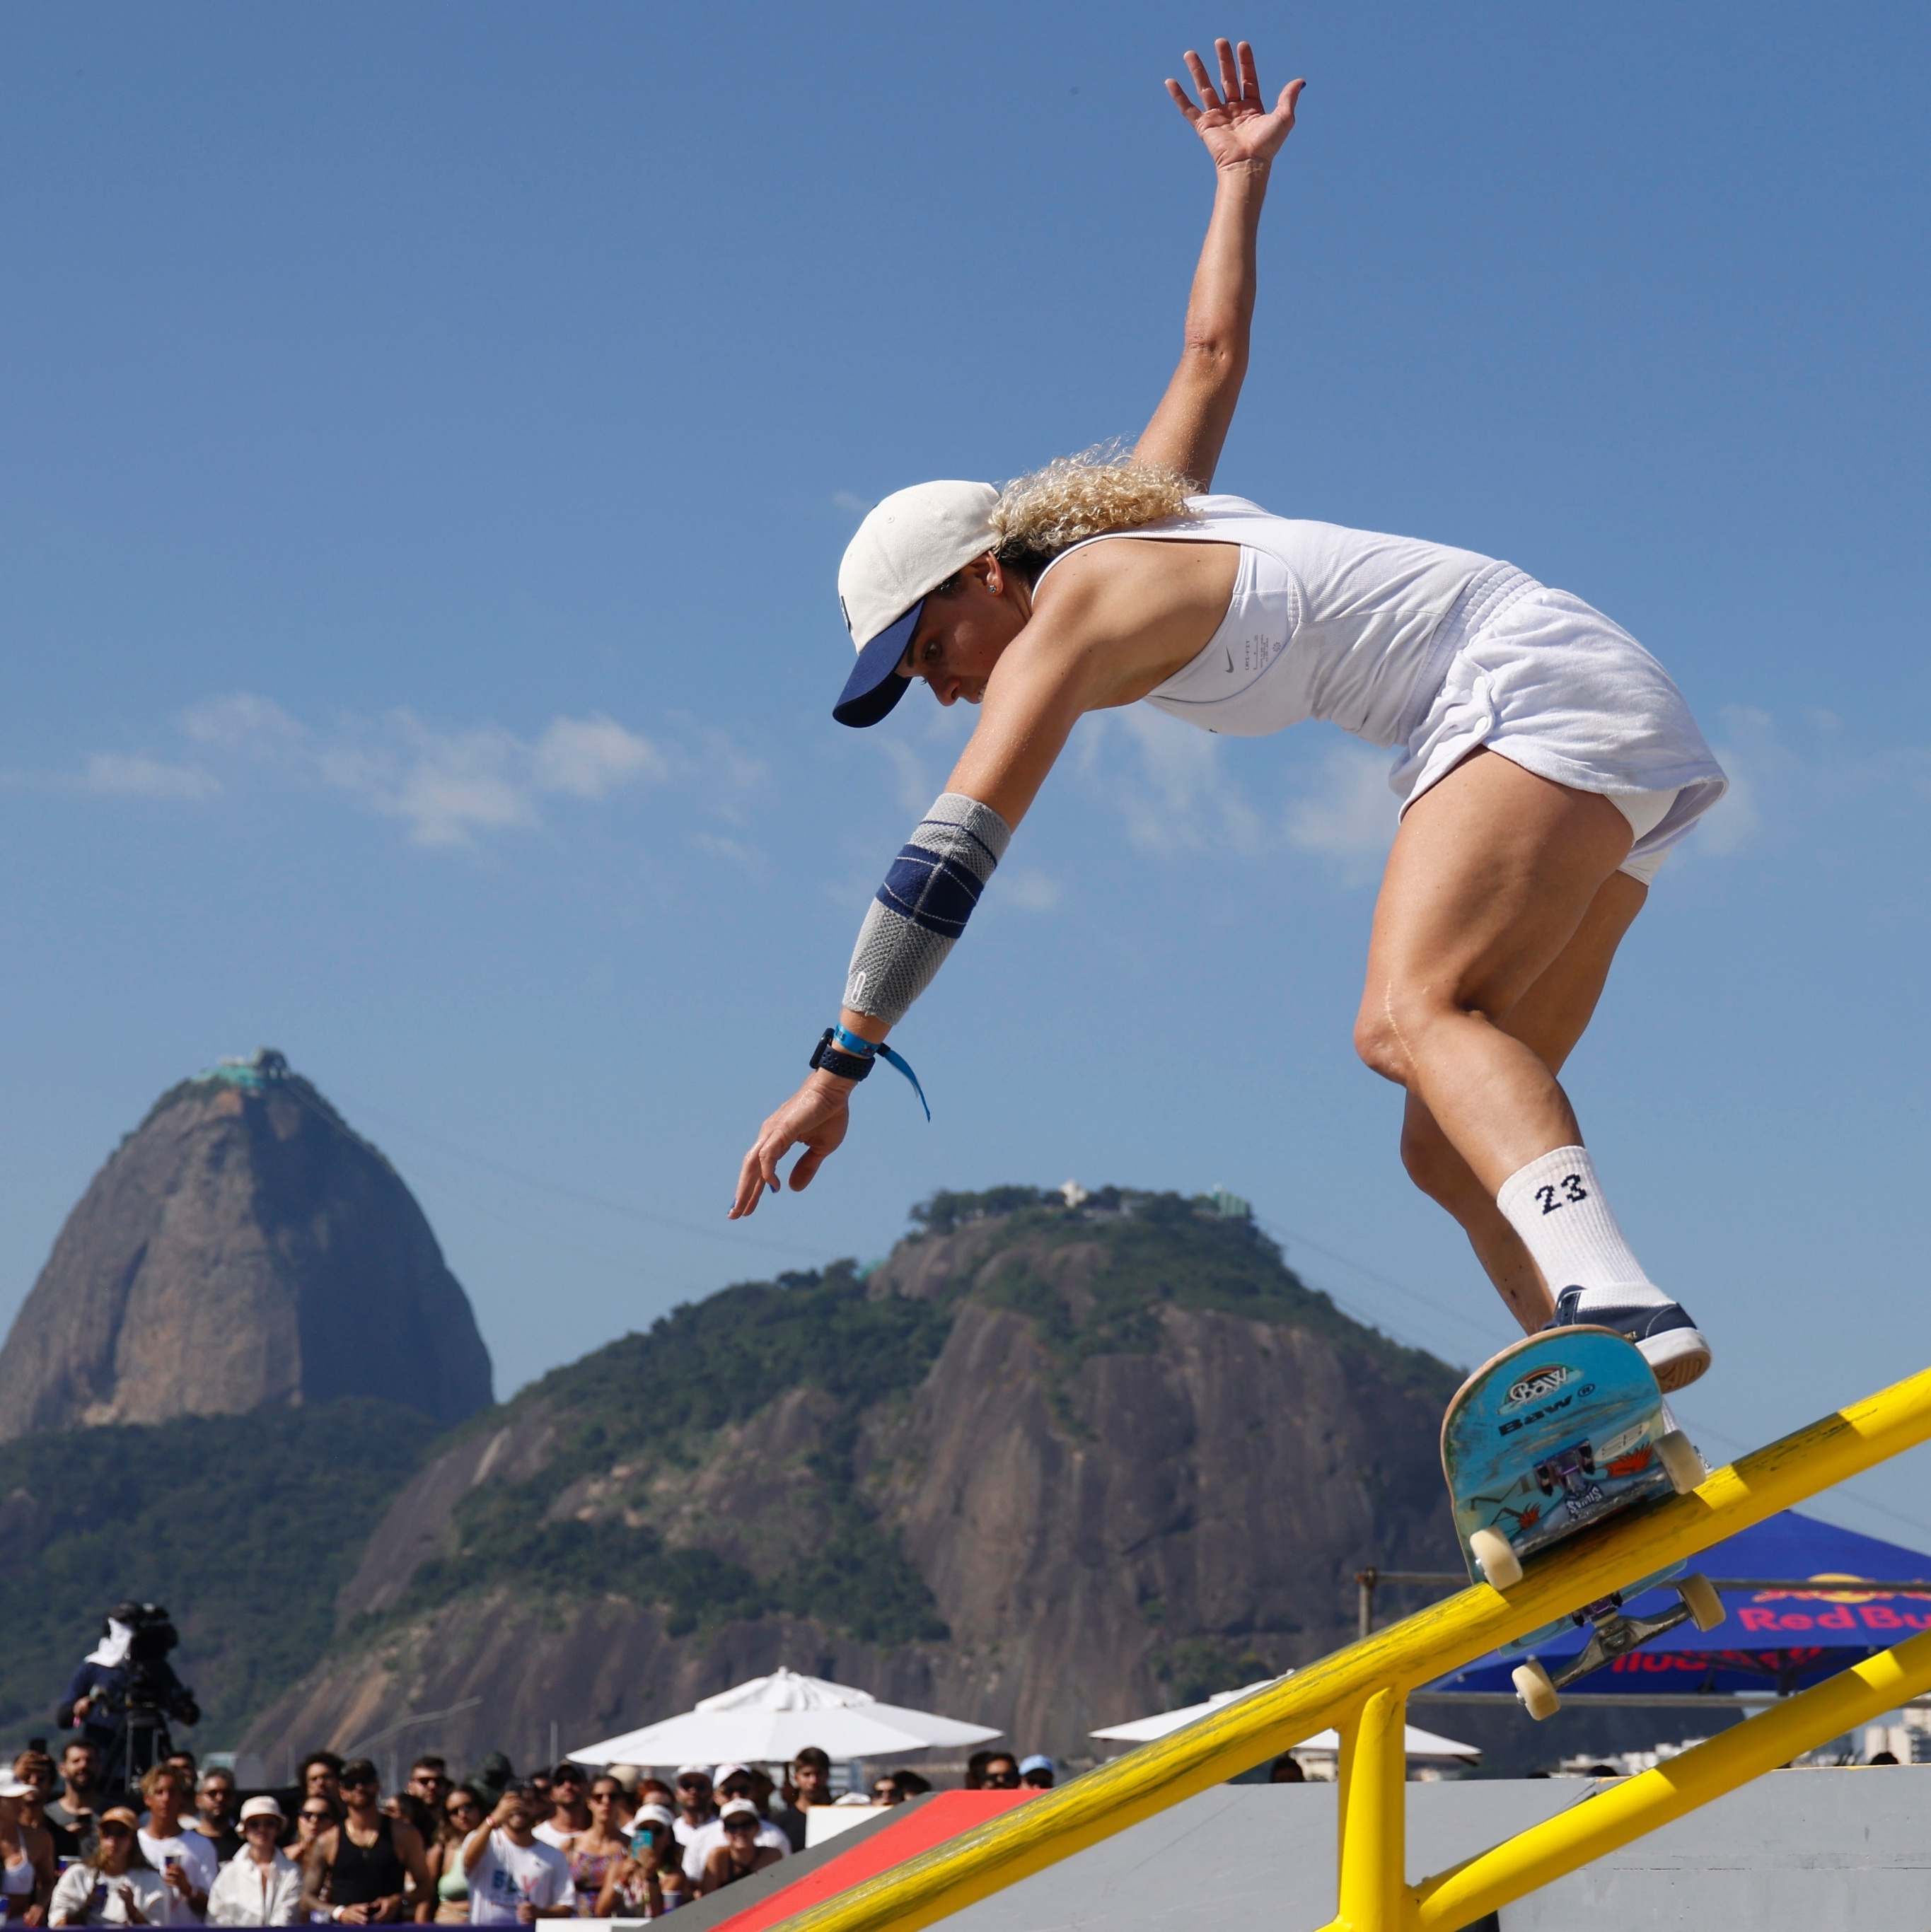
1324 622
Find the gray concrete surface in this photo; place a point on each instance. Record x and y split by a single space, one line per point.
1798 1851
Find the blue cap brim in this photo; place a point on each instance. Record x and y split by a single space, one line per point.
875 685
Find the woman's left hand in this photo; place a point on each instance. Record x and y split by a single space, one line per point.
818 1114
1235 121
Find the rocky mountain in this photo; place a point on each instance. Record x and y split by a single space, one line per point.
243 1248
1047 1466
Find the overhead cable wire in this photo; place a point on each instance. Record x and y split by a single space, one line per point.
563 1193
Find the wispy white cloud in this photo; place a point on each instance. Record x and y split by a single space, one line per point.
1786 777
240 721
1176 794
591 758
123 774
1348 814
1169 785
1028 888
447 786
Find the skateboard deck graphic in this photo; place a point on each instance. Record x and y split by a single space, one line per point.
1555 1433
1563 1430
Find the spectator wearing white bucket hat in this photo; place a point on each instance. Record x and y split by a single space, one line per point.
261 1885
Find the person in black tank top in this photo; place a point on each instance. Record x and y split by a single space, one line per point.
363 1871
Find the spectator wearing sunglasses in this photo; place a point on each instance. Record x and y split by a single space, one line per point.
463 1810
114 1884
735 1783
514 1878
650 1882
696 1807
370 1869
260 1884
739 1856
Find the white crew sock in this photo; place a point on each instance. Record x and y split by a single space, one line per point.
1556 1204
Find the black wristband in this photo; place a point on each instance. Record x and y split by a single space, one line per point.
828 1059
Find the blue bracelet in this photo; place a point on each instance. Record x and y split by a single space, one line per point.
847 1041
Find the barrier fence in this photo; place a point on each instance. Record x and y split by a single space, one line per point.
1362 1691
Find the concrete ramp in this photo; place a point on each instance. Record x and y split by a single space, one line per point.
1799 1851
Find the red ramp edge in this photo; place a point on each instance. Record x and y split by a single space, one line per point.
944 1815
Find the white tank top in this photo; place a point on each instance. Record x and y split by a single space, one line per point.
1324 622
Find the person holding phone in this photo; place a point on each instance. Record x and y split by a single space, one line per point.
186 1860
514 1878
114 1884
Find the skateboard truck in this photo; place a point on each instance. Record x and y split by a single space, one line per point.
1613 1635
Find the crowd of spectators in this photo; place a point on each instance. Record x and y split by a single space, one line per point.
184 1849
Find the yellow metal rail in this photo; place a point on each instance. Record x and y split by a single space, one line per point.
1363 1690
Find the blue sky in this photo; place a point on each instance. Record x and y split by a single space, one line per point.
430 433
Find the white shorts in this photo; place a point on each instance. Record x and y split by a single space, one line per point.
1555 687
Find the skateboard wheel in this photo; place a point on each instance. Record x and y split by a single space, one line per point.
1682 1461
1498 1563
1701 1599
1537 1693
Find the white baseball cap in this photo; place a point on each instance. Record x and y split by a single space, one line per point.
906 548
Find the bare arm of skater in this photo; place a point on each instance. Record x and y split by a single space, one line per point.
1099 638
1191 424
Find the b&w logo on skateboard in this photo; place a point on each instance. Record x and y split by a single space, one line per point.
1538 1384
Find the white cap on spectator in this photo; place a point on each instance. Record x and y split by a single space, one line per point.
11 1787
724 1770
264 1806
655 1814
693 1771
739 1807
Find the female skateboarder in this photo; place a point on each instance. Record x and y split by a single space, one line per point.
1545 761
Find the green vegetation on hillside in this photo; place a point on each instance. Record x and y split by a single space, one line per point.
649 1401
245 1526
651 1405
1161 1248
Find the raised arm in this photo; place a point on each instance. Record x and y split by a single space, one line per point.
1191 423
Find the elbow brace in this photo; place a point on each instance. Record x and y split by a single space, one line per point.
922 907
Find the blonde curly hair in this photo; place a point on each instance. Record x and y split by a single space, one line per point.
1075 497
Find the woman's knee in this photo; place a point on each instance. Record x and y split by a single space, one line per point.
1394 1025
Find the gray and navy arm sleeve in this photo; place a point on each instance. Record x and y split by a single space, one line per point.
922 907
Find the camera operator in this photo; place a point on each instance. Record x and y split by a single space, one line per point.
124 1691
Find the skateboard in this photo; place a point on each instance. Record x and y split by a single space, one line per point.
1563 1430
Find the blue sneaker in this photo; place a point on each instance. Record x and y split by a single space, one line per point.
1664 1334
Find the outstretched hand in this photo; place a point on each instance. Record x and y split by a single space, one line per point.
817 1114
1235 121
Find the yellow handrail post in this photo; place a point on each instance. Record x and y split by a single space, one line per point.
1612 1818
1373 1789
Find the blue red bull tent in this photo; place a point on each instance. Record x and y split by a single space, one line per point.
1775 1641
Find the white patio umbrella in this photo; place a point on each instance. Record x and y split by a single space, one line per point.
1416 1741
769 1719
